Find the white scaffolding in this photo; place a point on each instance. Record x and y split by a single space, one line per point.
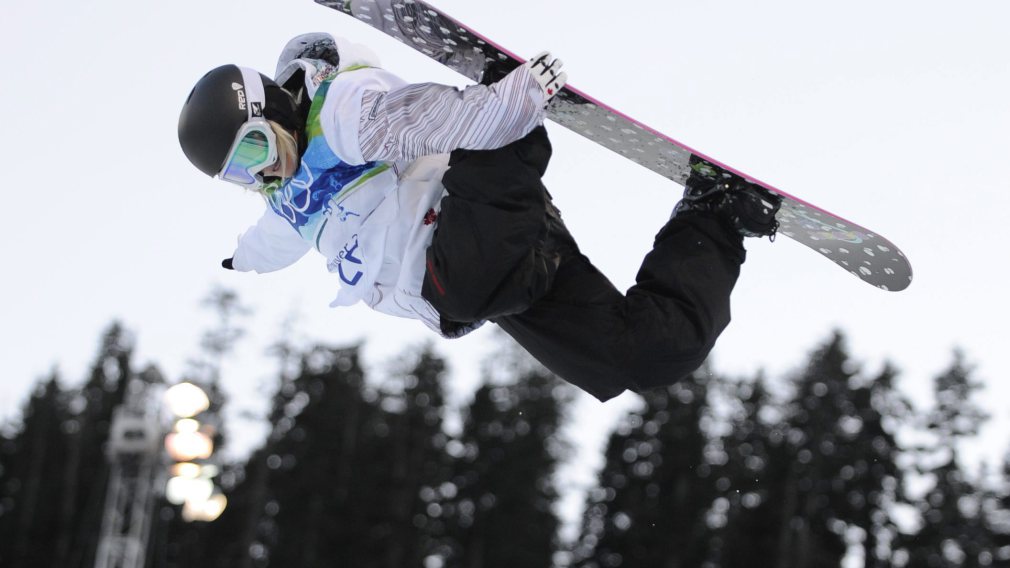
135 456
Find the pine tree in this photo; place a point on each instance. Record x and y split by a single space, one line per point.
9 485
649 509
33 481
321 495
499 506
56 470
86 467
999 520
750 484
875 480
843 462
418 474
343 477
248 520
955 531
216 343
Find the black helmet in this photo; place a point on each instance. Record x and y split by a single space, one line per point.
218 106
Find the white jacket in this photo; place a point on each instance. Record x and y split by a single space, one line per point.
374 230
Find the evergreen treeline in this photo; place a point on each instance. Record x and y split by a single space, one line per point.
825 468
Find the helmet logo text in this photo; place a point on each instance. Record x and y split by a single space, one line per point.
240 92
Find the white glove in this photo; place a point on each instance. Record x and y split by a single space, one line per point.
547 71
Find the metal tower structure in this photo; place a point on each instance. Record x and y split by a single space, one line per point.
134 456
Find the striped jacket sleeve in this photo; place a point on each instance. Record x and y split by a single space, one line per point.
423 119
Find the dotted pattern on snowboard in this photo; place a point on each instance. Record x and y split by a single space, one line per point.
868 256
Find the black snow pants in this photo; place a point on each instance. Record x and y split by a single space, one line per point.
501 253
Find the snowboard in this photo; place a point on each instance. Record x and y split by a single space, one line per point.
864 253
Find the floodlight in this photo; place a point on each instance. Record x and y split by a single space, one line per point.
189 446
186 400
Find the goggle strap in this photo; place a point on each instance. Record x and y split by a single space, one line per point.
255 93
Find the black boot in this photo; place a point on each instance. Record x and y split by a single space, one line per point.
748 208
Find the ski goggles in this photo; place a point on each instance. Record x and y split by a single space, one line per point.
255 145
254 150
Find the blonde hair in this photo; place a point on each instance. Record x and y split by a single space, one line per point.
286 146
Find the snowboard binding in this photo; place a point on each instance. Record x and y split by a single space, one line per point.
748 208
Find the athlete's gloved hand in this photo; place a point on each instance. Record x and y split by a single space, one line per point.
547 71
226 263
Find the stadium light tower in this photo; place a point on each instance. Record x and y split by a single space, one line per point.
190 445
137 465
134 456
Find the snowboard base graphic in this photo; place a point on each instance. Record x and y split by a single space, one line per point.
862 252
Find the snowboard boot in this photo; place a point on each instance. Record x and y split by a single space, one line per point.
747 208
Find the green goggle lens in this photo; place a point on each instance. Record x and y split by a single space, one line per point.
250 156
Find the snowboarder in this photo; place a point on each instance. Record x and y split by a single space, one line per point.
427 203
